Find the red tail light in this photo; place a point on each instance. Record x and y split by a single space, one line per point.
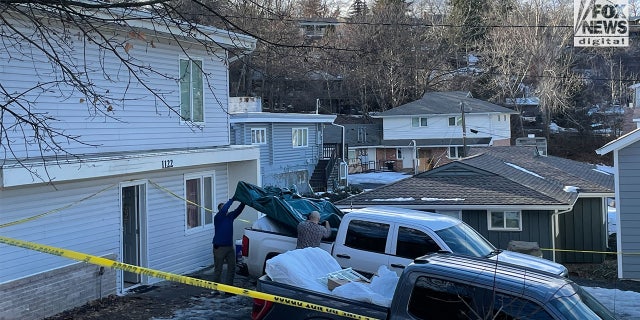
260 308
245 246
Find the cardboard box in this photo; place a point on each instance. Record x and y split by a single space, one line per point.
336 279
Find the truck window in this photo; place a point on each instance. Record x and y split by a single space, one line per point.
367 236
414 243
506 307
439 299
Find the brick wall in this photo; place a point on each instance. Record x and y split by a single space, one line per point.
52 292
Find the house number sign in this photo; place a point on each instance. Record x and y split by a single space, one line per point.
167 164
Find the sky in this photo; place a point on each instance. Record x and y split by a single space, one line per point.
626 304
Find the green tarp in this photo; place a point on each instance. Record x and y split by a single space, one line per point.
285 206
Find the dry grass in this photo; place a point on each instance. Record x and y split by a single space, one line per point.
594 271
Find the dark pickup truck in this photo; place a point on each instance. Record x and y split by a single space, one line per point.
450 286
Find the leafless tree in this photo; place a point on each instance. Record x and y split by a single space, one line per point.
397 55
47 34
532 48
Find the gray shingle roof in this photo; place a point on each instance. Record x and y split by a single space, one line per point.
493 176
563 171
444 103
454 190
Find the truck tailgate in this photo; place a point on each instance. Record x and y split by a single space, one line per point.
282 311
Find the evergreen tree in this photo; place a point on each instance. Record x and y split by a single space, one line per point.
358 8
469 17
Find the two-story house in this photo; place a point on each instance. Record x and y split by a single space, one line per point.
291 144
140 182
439 127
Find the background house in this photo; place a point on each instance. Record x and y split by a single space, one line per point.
436 128
120 192
626 152
511 193
291 144
362 136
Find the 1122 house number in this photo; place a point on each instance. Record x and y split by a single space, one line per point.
167 163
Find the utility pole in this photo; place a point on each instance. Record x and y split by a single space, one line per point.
464 132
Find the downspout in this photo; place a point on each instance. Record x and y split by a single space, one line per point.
554 228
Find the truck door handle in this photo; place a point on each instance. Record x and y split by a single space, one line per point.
397 266
343 256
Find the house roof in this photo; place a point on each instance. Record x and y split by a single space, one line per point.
568 172
248 117
444 103
621 142
144 19
494 177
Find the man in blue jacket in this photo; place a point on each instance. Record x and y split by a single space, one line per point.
223 245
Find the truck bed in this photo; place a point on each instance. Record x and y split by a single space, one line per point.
282 311
260 245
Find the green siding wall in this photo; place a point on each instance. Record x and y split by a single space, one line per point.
536 227
582 229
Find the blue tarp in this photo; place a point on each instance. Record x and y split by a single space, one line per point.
286 207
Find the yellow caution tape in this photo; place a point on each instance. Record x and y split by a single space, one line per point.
187 200
175 277
38 216
13 223
589 251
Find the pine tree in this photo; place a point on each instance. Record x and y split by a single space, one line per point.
358 8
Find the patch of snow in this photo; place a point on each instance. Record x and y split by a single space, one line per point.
376 177
612 220
623 303
571 189
524 170
394 199
438 199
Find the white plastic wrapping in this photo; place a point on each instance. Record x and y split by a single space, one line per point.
304 267
379 291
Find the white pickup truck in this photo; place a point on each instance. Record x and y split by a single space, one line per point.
370 237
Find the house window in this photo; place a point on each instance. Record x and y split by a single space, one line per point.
258 136
199 191
455 121
362 135
505 220
456 152
398 153
191 90
418 122
353 160
299 137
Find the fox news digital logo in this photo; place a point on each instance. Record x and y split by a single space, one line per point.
600 23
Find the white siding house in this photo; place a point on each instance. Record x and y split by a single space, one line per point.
120 189
429 131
